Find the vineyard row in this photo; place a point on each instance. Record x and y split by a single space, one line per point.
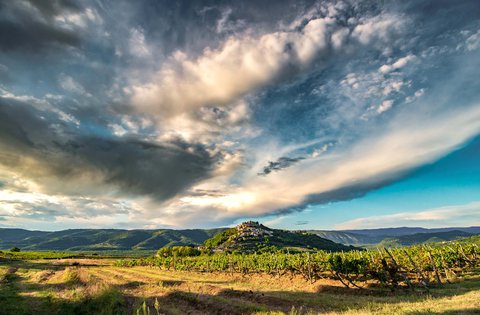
409 267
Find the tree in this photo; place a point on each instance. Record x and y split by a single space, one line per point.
178 251
14 249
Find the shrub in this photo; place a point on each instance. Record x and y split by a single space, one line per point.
178 251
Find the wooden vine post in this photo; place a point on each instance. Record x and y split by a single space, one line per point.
434 266
404 275
423 281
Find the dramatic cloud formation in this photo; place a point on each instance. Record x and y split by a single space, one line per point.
192 114
52 158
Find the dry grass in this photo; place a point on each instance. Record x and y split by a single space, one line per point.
100 288
3 272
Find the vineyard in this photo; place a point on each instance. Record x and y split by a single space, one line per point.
410 280
408 267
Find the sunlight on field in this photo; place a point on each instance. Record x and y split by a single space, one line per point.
97 287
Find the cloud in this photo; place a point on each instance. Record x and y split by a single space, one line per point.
246 62
48 208
386 105
29 25
400 63
473 41
457 215
60 160
406 143
280 164
302 222
170 116
222 75
138 46
190 94
380 29
69 84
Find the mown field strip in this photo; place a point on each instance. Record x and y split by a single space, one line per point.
128 276
220 286
132 283
224 280
153 274
157 286
109 277
207 295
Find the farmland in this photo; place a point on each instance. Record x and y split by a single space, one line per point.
88 285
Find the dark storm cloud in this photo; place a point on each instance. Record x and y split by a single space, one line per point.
206 192
279 164
61 153
353 191
143 168
29 25
348 192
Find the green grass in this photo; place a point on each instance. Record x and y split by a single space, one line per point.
10 301
21 292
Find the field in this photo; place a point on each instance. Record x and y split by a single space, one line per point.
100 286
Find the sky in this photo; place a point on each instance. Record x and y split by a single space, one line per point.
196 114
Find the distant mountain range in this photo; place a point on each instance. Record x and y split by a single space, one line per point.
113 239
396 236
102 239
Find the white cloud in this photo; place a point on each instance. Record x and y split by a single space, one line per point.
379 30
39 206
340 37
43 104
386 105
400 63
392 86
118 130
418 93
451 216
473 41
243 63
225 24
79 19
69 84
137 44
219 76
183 94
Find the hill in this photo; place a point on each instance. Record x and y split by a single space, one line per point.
397 236
421 238
102 239
254 237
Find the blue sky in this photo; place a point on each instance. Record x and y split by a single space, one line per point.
299 114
